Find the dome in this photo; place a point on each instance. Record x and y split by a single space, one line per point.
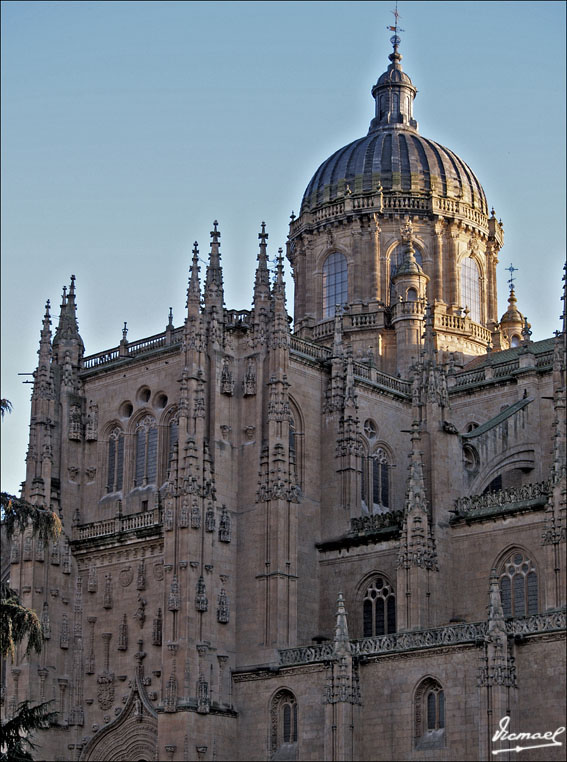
398 160
394 155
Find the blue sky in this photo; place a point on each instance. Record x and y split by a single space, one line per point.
128 127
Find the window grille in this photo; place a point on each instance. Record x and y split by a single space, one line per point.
146 452
518 585
470 288
115 468
335 283
379 608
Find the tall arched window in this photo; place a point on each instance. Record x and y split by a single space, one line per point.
115 468
470 288
518 585
146 452
335 283
283 723
429 712
379 608
396 259
375 482
173 437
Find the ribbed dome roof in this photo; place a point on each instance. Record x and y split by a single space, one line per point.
394 155
398 159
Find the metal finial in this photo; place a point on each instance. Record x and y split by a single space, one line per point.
124 331
511 270
395 40
170 320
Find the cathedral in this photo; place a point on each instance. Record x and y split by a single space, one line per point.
337 537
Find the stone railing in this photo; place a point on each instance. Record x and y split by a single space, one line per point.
450 635
544 359
502 500
324 329
134 348
326 212
370 524
119 524
306 654
361 320
94 361
552 621
310 349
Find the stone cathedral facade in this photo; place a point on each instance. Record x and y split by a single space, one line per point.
344 541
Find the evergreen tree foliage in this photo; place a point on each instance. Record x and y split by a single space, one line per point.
18 623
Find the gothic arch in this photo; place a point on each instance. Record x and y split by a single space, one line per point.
167 427
429 714
132 735
375 601
524 597
283 721
297 440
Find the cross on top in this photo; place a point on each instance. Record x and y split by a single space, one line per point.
511 270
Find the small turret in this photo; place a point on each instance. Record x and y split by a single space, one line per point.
262 280
67 339
194 288
512 321
214 292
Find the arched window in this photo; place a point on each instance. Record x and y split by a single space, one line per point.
396 258
173 437
516 340
411 295
283 723
518 585
146 452
470 288
335 283
378 608
115 470
375 482
429 711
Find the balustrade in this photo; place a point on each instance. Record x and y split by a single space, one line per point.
453 634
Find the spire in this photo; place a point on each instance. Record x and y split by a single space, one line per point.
214 294
67 332
394 92
44 350
429 349
262 281
194 288
341 640
496 623
279 283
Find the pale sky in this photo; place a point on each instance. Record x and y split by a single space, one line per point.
128 127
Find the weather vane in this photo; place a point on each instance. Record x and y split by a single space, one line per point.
395 40
511 270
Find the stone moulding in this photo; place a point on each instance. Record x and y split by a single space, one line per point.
455 634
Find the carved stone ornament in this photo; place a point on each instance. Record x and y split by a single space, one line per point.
126 576
158 571
75 422
227 381
105 691
249 383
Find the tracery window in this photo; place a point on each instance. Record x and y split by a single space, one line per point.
146 452
470 288
518 585
283 721
375 481
396 259
173 437
379 608
429 713
115 464
335 283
